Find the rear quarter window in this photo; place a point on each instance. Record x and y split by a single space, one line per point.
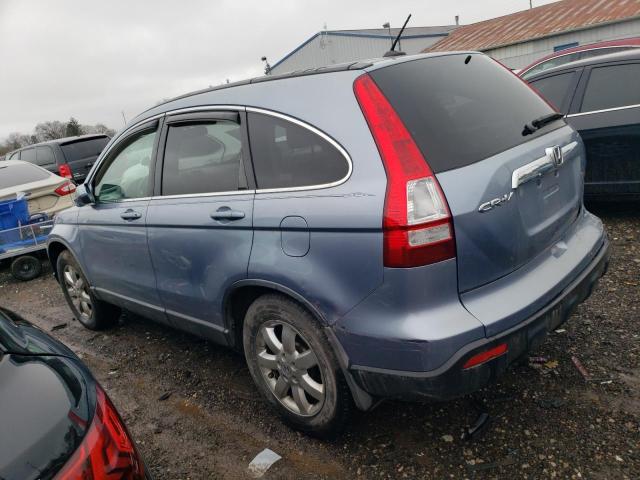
555 89
14 175
84 149
287 155
458 111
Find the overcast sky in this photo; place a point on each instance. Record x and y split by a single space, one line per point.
93 60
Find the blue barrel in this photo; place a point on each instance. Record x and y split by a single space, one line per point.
14 213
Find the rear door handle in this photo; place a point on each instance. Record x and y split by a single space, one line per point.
130 215
225 213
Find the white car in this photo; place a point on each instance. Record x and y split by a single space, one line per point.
46 192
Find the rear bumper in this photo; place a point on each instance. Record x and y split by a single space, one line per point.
452 380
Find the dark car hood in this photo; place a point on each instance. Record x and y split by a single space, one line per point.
47 400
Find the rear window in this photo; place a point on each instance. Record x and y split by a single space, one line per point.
84 149
460 112
13 175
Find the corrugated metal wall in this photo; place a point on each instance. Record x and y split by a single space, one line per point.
327 49
521 55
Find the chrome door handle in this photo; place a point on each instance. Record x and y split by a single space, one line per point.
540 166
130 215
227 214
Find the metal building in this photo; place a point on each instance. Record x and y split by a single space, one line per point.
519 39
329 47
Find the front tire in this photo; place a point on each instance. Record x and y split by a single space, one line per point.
92 313
294 367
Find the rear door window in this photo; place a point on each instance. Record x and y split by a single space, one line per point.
203 157
13 175
45 157
287 155
461 108
612 86
556 89
28 155
84 149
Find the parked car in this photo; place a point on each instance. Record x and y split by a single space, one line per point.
57 422
601 99
399 228
46 192
70 157
581 52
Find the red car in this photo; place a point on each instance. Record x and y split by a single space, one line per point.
578 53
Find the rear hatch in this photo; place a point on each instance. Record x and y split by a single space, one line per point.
467 114
81 154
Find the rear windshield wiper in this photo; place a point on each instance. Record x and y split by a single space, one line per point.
540 122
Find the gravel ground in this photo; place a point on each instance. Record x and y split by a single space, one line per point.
546 420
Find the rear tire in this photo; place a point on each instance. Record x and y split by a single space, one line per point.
92 313
294 367
26 267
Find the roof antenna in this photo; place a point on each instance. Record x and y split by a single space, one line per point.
392 52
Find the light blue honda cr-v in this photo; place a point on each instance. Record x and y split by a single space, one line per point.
402 228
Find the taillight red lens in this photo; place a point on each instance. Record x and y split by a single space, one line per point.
417 224
107 451
66 188
65 171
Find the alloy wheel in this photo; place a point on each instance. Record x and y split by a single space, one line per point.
78 290
290 368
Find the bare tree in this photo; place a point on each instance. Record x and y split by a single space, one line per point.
50 130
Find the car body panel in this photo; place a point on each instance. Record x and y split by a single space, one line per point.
494 243
46 401
41 196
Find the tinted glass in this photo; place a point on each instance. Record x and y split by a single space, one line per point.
12 175
28 155
44 156
555 89
203 158
612 86
127 176
84 149
460 112
286 155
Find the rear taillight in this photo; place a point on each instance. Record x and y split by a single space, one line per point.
66 188
107 451
417 224
65 171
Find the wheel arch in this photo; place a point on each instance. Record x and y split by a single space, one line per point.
54 248
243 293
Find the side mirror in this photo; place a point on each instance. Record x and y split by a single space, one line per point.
84 196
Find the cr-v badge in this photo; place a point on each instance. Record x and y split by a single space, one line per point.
496 202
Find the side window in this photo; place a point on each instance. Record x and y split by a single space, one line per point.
612 86
28 155
14 156
286 155
44 156
555 89
128 174
203 157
